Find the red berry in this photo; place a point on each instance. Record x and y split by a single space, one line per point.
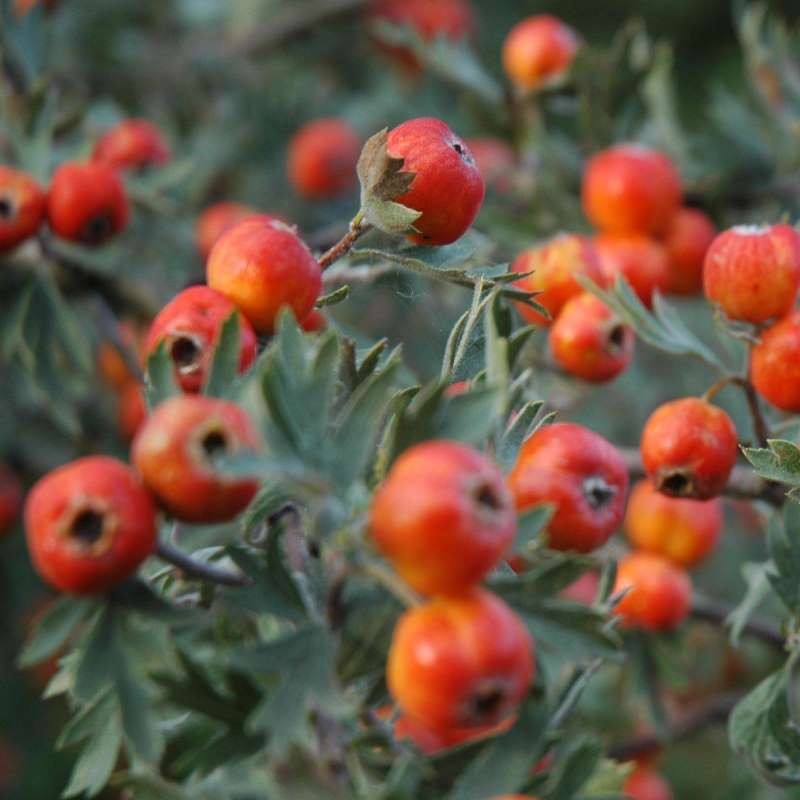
591 341
631 189
87 203
10 499
322 158
431 740
689 448
132 144
190 324
89 524
581 475
496 162
658 594
262 266
315 322
132 409
539 50
216 220
556 265
775 363
23 206
752 273
174 453
443 517
22 7
460 662
640 260
429 19
447 188
682 530
646 784
686 240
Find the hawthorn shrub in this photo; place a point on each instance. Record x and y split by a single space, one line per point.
319 424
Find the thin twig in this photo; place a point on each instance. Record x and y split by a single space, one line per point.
357 229
717 613
198 569
355 275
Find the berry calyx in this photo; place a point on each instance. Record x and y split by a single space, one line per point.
775 364
447 188
262 265
89 525
591 341
460 662
689 448
322 158
443 517
190 325
581 475
132 144
174 452
23 206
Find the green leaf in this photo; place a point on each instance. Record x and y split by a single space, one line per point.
576 764
520 429
54 629
333 298
531 525
160 381
781 462
224 369
95 668
783 537
757 578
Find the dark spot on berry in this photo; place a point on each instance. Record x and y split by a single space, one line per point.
185 353
6 208
97 229
487 701
677 484
214 444
598 492
616 337
486 495
87 527
458 148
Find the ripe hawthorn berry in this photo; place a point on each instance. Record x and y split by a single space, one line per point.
642 261
658 593
428 19
315 322
682 530
538 51
753 273
463 661
496 162
174 452
686 240
443 517
689 448
132 409
555 266
216 220
262 265
23 206
447 188
589 340
581 475
132 144
431 741
191 324
631 189
87 203
645 783
775 363
10 498
89 525
322 158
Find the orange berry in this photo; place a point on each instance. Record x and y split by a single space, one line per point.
132 409
642 261
775 364
216 220
646 784
23 206
686 240
496 162
132 144
322 158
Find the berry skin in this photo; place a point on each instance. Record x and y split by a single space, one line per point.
315 322
642 261
132 144
447 188
775 364
555 266
217 220
686 240
431 741
582 475
23 206
753 274
89 524
10 499
173 452
689 448
646 784
429 19
590 341
538 51
262 265
460 662
322 158
443 517
682 530
87 203
631 189
496 162
132 409
659 593
190 324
